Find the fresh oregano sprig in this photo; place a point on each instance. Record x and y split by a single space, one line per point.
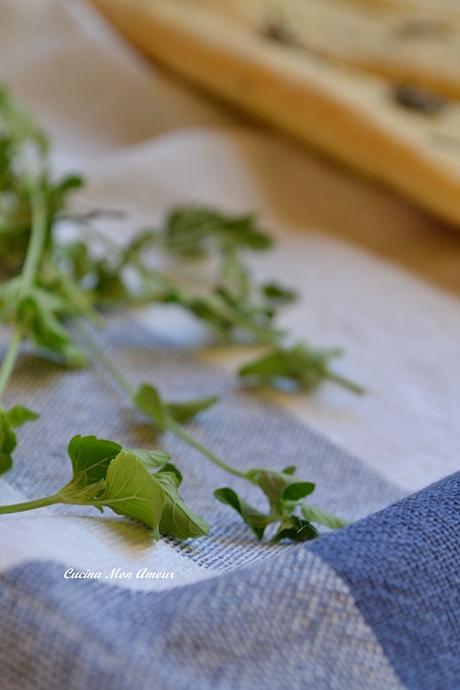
49 281
80 278
144 485
289 514
300 366
139 484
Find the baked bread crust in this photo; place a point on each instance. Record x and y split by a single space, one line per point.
343 112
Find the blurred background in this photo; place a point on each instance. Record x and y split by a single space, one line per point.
104 81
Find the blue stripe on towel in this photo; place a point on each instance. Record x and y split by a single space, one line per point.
402 565
287 622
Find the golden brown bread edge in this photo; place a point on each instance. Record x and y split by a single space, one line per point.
310 100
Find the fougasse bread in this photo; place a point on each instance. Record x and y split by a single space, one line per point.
410 42
398 133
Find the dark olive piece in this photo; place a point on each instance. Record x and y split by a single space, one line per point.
423 28
279 32
419 99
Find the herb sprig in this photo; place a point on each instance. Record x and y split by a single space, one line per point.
52 287
139 484
300 366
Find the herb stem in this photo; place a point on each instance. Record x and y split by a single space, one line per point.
37 238
31 505
9 360
345 383
178 431
171 424
105 361
32 260
77 298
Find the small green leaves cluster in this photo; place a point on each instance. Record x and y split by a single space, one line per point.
149 401
289 516
231 304
300 366
235 304
23 173
144 485
198 231
76 278
38 314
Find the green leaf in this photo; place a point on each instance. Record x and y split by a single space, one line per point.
79 257
177 519
304 367
9 420
151 458
132 491
278 294
208 308
91 458
172 469
226 314
295 529
281 486
148 400
20 125
297 490
59 192
256 520
290 469
235 277
322 517
18 416
133 250
38 314
195 231
7 443
184 411
301 366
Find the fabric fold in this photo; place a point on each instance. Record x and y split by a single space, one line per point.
374 605
402 566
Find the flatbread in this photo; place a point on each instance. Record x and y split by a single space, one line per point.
413 42
410 141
